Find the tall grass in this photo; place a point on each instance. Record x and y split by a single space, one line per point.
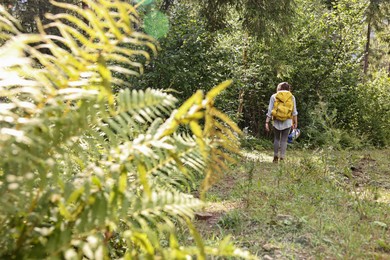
310 207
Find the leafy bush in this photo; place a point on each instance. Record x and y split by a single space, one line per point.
373 108
88 173
323 131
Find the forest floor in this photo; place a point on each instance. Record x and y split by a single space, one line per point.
321 204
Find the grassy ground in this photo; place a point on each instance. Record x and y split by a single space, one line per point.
317 205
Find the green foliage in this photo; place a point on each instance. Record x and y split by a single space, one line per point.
230 220
187 60
253 66
192 57
89 173
321 56
377 21
374 109
259 18
295 205
326 54
323 130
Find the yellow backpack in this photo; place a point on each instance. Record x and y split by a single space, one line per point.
283 106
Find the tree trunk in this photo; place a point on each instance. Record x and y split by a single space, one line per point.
240 103
388 70
242 91
367 48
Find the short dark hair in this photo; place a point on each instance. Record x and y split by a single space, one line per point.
284 86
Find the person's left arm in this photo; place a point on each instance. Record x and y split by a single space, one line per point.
295 115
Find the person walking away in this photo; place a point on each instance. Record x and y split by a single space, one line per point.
283 110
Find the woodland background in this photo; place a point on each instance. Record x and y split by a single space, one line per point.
334 53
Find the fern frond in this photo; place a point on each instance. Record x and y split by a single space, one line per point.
177 171
9 26
163 208
75 66
217 134
146 105
171 203
136 112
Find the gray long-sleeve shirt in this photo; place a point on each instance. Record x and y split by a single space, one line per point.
281 125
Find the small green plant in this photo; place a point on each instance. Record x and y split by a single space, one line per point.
250 167
231 220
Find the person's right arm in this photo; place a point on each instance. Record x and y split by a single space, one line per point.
295 122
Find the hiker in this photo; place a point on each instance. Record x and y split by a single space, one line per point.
283 110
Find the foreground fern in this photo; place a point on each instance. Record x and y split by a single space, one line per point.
89 173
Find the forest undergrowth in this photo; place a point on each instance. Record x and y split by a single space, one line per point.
319 204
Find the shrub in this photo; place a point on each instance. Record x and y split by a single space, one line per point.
374 109
323 131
